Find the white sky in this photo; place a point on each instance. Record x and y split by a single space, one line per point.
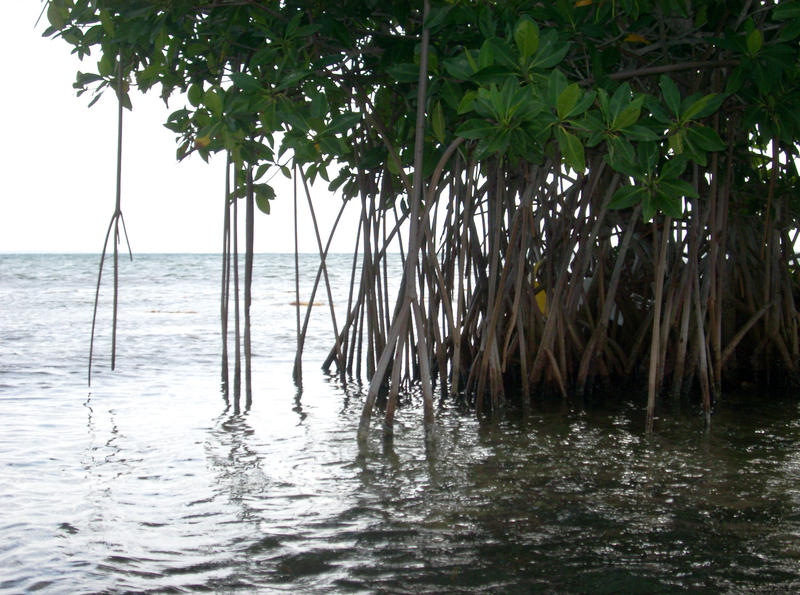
59 163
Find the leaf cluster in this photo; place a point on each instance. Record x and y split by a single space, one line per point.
649 87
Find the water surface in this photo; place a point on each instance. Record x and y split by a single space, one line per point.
147 482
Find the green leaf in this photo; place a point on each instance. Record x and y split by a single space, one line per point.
106 65
507 100
583 104
269 117
786 10
265 55
264 193
503 54
706 138
629 115
499 142
549 53
556 83
698 108
292 118
531 105
476 128
86 78
572 149
57 15
551 59
292 25
147 77
668 203
437 16
755 39
495 73
107 22
195 95
328 144
486 23
647 156
451 94
319 105
126 101
591 123
619 100
735 81
526 37
676 141
246 82
213 101
673 168
292 79
73 36
641 133
458 67
626 196
180 115
790 31
486 55
672 97
437 122
405 72
307 30
260 171
393 166
603 102
336 183
471 61
467 103
695 154
343 122
649 208
677 188
567 100
620 152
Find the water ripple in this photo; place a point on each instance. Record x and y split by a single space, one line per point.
149 484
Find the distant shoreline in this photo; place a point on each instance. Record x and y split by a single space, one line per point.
2 253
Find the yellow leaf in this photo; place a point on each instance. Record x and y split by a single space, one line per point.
541 300
583 3
202 141
635 38
538 291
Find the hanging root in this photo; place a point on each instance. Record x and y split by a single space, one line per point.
114 224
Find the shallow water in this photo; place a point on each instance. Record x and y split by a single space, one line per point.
147 482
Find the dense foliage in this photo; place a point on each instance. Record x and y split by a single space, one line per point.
604 188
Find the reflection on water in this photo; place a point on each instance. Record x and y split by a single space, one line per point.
152 484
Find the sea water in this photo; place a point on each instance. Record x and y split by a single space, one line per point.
148 481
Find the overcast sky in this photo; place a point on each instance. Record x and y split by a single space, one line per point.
59 158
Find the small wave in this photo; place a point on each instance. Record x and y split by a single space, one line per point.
68 528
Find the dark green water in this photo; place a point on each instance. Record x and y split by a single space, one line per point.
148 484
